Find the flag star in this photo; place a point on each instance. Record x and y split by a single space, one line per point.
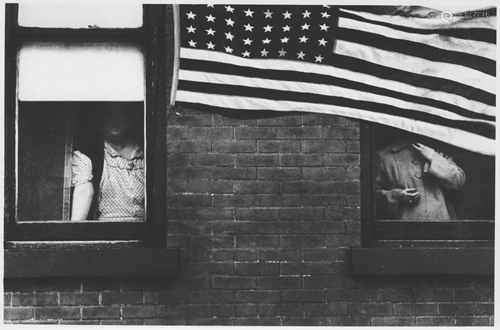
300 55
322 42
287 15
324 27
210 18
191 15
229 22
326 6
229 8
303 39
325 15
246 54
247 41
210 32
210 45
305 26
229 49
248 12
268 28
191 29
211 6
282 52
264 52
266 41
229 36
192 43
269 14
284 40
318 58
306 14
248 27
286 28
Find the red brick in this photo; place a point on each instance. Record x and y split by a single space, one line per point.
466 308
280 309
301 160
261 321
210 133
304 321
342 160
233 227
302 268
432 321
122 322
203 310
167 321
257 296
243 160
188 146
144 311
211 296
302 241
270 173
235 255
322 254
79 322
471 294
370 309
324 173
235 200
222 120
256 133
280 255
246 310
189 200
111 298
278 227
323 281
178 160
278 200
336 268
220 160
235 173
177 311
343 240
177 133
257 214
278 146
57 312
256 187
322 309
294 296
351 133
256 269
302 214
353 146
234 282
472 321
79 299
326 227
18 313
343 213
224 310
299 133
7 299
280 282
393 321
348 321
101 312
280 120
231 146
434 295
408 309
211 321
186 120
257 241
323 146
319 187
323 120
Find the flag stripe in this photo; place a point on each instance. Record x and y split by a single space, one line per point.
467 47
460 138
304 72
314 99
480 29
412 64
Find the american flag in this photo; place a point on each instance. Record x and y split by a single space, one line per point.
424 71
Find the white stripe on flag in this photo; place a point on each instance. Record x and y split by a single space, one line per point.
305 67
452 136
417 65
319 89
478 48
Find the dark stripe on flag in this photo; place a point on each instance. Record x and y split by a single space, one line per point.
477 34
420 50
270 94
295 76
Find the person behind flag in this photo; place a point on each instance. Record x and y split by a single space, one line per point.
413 182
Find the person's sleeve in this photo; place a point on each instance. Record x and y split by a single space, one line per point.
387 198
448 173
81 169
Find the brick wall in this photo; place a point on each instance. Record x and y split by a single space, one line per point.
263 211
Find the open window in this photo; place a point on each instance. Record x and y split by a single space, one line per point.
67 68
458 240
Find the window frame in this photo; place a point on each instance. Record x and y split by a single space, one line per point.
158 46
415 247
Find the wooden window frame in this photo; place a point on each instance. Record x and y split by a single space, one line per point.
415 247
51 242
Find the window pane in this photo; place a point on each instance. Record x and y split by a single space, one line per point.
81 72
81 161
80 15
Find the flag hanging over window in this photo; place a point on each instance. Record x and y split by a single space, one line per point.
424 71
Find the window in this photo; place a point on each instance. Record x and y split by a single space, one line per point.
67 67
461 241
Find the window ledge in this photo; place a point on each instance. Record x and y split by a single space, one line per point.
479 260
90 262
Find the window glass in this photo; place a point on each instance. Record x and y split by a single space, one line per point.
55 71
456 185
80 15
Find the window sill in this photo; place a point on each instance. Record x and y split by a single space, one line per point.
90 261
449 260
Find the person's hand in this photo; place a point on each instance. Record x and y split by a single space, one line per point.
409 196
424 150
